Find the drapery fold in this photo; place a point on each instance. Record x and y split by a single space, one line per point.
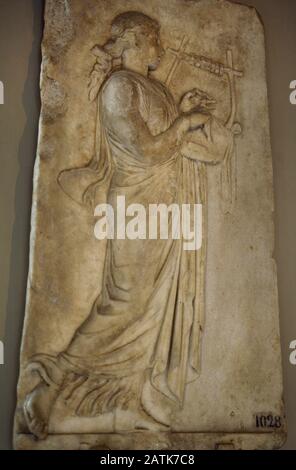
149 316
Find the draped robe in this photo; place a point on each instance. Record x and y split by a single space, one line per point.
147 321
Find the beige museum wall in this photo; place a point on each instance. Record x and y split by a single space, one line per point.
20 35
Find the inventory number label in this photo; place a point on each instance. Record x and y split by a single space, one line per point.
265 421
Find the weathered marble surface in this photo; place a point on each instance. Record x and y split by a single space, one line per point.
234 357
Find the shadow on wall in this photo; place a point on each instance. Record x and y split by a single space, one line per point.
21 231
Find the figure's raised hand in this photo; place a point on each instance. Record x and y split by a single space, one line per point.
101 69
197 99
103 59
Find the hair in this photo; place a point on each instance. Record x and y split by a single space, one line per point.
117 43
132 21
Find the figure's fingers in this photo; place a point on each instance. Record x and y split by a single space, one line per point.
208 101
211 107
204 95
210 98
203 101
99 67
200 92
189 94
194 99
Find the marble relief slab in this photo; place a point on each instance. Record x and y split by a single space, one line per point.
137 336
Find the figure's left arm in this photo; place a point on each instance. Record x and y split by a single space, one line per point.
211 142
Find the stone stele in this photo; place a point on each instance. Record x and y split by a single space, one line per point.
160 342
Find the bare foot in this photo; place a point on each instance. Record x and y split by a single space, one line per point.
146 422
37 408
136 420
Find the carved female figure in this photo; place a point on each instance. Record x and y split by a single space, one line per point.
141 339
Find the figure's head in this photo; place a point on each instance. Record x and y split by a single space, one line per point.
138 33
